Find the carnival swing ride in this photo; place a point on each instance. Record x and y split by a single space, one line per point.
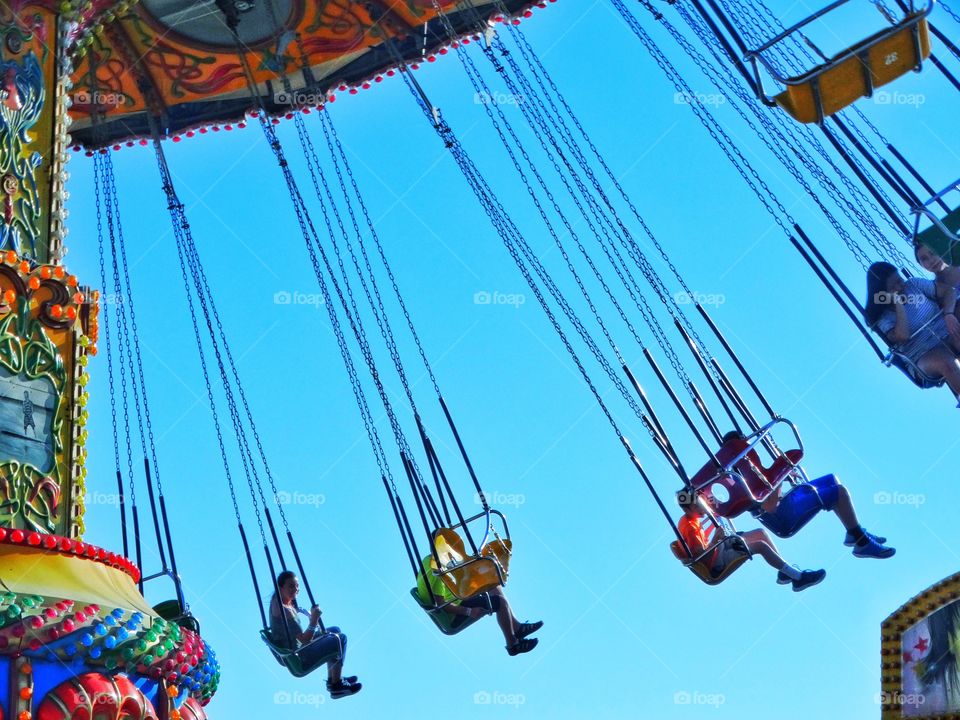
75 628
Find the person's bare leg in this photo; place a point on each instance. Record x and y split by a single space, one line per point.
940 362
498 592
761 544
845 510
505 617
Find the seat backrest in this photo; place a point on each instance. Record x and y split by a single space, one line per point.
173 611
782 466
760 480
450 548
709 480
500 550
466 575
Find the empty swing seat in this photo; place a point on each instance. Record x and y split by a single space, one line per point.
849 75
173 611
745 483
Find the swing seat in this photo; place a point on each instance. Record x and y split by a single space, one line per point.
945 244
291 660
447 622
849 75
746 482
857 71
704 565
500 550
287 658
915 374
173 611
467 575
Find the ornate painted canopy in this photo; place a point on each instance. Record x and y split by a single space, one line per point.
177 60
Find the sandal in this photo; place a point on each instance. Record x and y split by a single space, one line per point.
524 629
522 646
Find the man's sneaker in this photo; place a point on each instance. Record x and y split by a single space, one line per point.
524 629
343 689
522 646
873 549
809 578
349 680
850 540
783 578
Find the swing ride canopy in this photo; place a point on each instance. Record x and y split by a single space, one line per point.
178 61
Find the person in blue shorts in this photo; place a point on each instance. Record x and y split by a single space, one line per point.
783 513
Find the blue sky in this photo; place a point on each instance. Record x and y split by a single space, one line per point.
628 630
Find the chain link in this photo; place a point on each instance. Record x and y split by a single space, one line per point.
107 310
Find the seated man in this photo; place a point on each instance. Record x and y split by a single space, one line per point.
433 591
312 649
783 513
756 542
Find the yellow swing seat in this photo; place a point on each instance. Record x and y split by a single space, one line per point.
705 566
467 575
851 74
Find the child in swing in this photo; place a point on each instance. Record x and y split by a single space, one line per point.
698 530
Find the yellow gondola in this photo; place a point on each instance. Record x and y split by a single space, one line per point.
467 575
849 75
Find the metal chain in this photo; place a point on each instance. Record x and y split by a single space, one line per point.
818 146
543 123
779 150
180 226
311 240
513 239
503 128
950 11
375 303
508 232
540 74
765 195
330 132
106 307
123 346
134 330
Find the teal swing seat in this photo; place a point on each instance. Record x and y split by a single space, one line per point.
173 611
941 237
291 660
446 622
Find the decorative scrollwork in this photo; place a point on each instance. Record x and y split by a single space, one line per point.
22 97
